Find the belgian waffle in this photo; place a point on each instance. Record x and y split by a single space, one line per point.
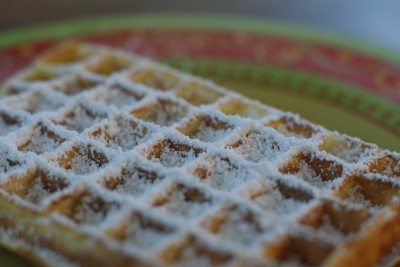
111 159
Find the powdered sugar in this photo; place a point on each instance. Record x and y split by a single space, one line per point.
83 159
117 95
172 153
137 157
122 133
260 145
222 172
186 201
43 137
9 159
147 232
10 121
36 101
135 179
81 116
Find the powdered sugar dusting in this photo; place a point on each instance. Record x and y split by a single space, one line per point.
186 201
172 153
9 159
147 232
138 163
81 116
117 95
36 101
135 179
260 145
122 133
43 137
10 121
92 210
222 172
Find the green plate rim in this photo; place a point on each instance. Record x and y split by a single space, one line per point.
239 23
171 20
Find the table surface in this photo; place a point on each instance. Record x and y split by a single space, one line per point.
376 22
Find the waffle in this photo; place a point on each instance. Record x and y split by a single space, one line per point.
111 159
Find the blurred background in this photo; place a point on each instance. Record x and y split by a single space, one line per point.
374 21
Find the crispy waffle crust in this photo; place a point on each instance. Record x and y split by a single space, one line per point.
110 159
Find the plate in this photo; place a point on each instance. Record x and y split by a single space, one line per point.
342 84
